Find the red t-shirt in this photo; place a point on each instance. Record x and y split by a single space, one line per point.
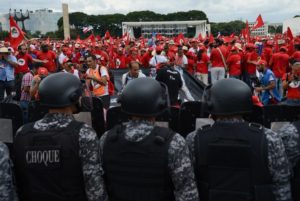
293 91
267 54
202 64
216 58
23 61
120 61
190 67
50 56
145 59
234 64
251 68
131 58
280 63
296 55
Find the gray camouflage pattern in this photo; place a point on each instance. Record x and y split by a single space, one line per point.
88 153
290 137
179 162
7 188
277 159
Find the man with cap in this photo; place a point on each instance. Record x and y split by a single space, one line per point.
7 188
235 160
268 91
8 63
41 73
142 161
57 157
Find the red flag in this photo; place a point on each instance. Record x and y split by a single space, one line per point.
258 23
180 38
107 35
78 40
200 38
289 33
91 38
211 38
16 35
232 35
98 37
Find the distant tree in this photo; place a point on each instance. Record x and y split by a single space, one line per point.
113 22
3 34
296 16
227 28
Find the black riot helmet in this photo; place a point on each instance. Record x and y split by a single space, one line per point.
60 90
228 97
144 97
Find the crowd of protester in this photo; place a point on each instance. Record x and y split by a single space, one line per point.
269 66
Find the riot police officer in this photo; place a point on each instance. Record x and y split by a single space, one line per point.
7 189
290 134
57 157
142 161
233 159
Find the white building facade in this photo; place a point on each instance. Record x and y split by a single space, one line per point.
294 25
43 20
166 28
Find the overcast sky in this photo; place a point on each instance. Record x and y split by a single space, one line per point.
216 10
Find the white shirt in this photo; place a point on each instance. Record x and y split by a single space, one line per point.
129 78
157 59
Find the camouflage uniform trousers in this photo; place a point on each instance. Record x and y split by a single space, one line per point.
7 188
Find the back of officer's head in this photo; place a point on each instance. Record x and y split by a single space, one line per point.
144 97
228 97
60 90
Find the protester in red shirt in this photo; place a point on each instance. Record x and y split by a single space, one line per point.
296 54
133 56
279 64
146 58
120 59
234 63
268 51
202 65
218 58
191 62
291 83
49 56
251 61
23 60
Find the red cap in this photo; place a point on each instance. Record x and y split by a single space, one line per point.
159 48
42 71
283 48
262 62
66 59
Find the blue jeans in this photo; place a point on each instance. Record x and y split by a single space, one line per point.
24 106
6 86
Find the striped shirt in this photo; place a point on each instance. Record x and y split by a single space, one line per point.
26 82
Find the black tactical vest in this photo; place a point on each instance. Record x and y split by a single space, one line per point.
48 166
295 183
232 164
138 171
